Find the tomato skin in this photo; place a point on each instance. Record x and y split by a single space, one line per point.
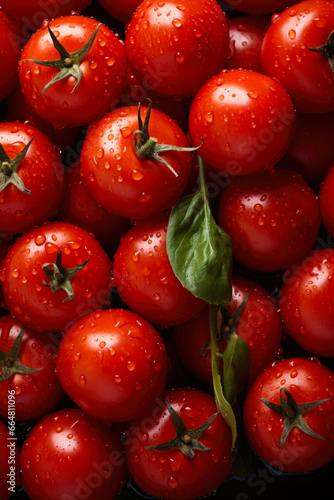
36 305
246 120
122 11
10 54
42 173
259 7
37 351
179 54
145 279
129 369
273 219
77 456
172 475
307 381
305 75
306 304
103 68
326 201
119 180
6 457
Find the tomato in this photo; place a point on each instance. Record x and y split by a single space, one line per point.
64 256
36 392
311 152
171 473
32 177
175 47
119 179
246 120
259 7
122 11
272 218
68 454
9 463
85 82
113 364
306 75
80 208
306 305
246 37
259 325
326 201
298 450
145 279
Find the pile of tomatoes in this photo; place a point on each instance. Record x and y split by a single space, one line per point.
166 249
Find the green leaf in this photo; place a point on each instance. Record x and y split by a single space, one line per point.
199 251
237 360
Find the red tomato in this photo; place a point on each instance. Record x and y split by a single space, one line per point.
145 279
272 218
38 392
259 325
34 260
9 463
326 201
70 454
169 473
10 54
100 73
259 7
246 120
306 75
31 188
121 181
80 208
307 382
113 364
175 47
122 11
306 302
246 37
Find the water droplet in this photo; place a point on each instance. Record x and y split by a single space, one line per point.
118 379
209 117
320 22
179 58
252 95
82 380
40 239
177 23
15 273
51 248
130 366
292 34
172 482
100 153
137 175
294 374
126 132
59 429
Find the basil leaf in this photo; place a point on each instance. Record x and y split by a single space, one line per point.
199 251
237 359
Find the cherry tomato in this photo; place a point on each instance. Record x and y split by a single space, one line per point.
32 177
145 279
259 7
246 120
306 302
306 75
9 463
113 364
170 473
176 47
83 85
64 257
326 201
70 454
10 53
272 218
303 442
122 11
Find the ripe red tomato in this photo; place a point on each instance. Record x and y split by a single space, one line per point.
306 75
113 364
272 218
38 392
32 177
259 7
68 454
99 75
307 382
145 279
306 302
326 201
246 120
10 53
121 181
34 260
122 11
169 473
175 47
259 325
9 463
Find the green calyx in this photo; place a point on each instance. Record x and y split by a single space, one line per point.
293 414
147 147
69 63
186 441
8 169
60 277
10 361
326 50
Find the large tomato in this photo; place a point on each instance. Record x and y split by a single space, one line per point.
113 364
54 274
87 79
246 120
175 47
306 75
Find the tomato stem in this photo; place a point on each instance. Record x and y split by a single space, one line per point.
8 169
10 361
327 50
